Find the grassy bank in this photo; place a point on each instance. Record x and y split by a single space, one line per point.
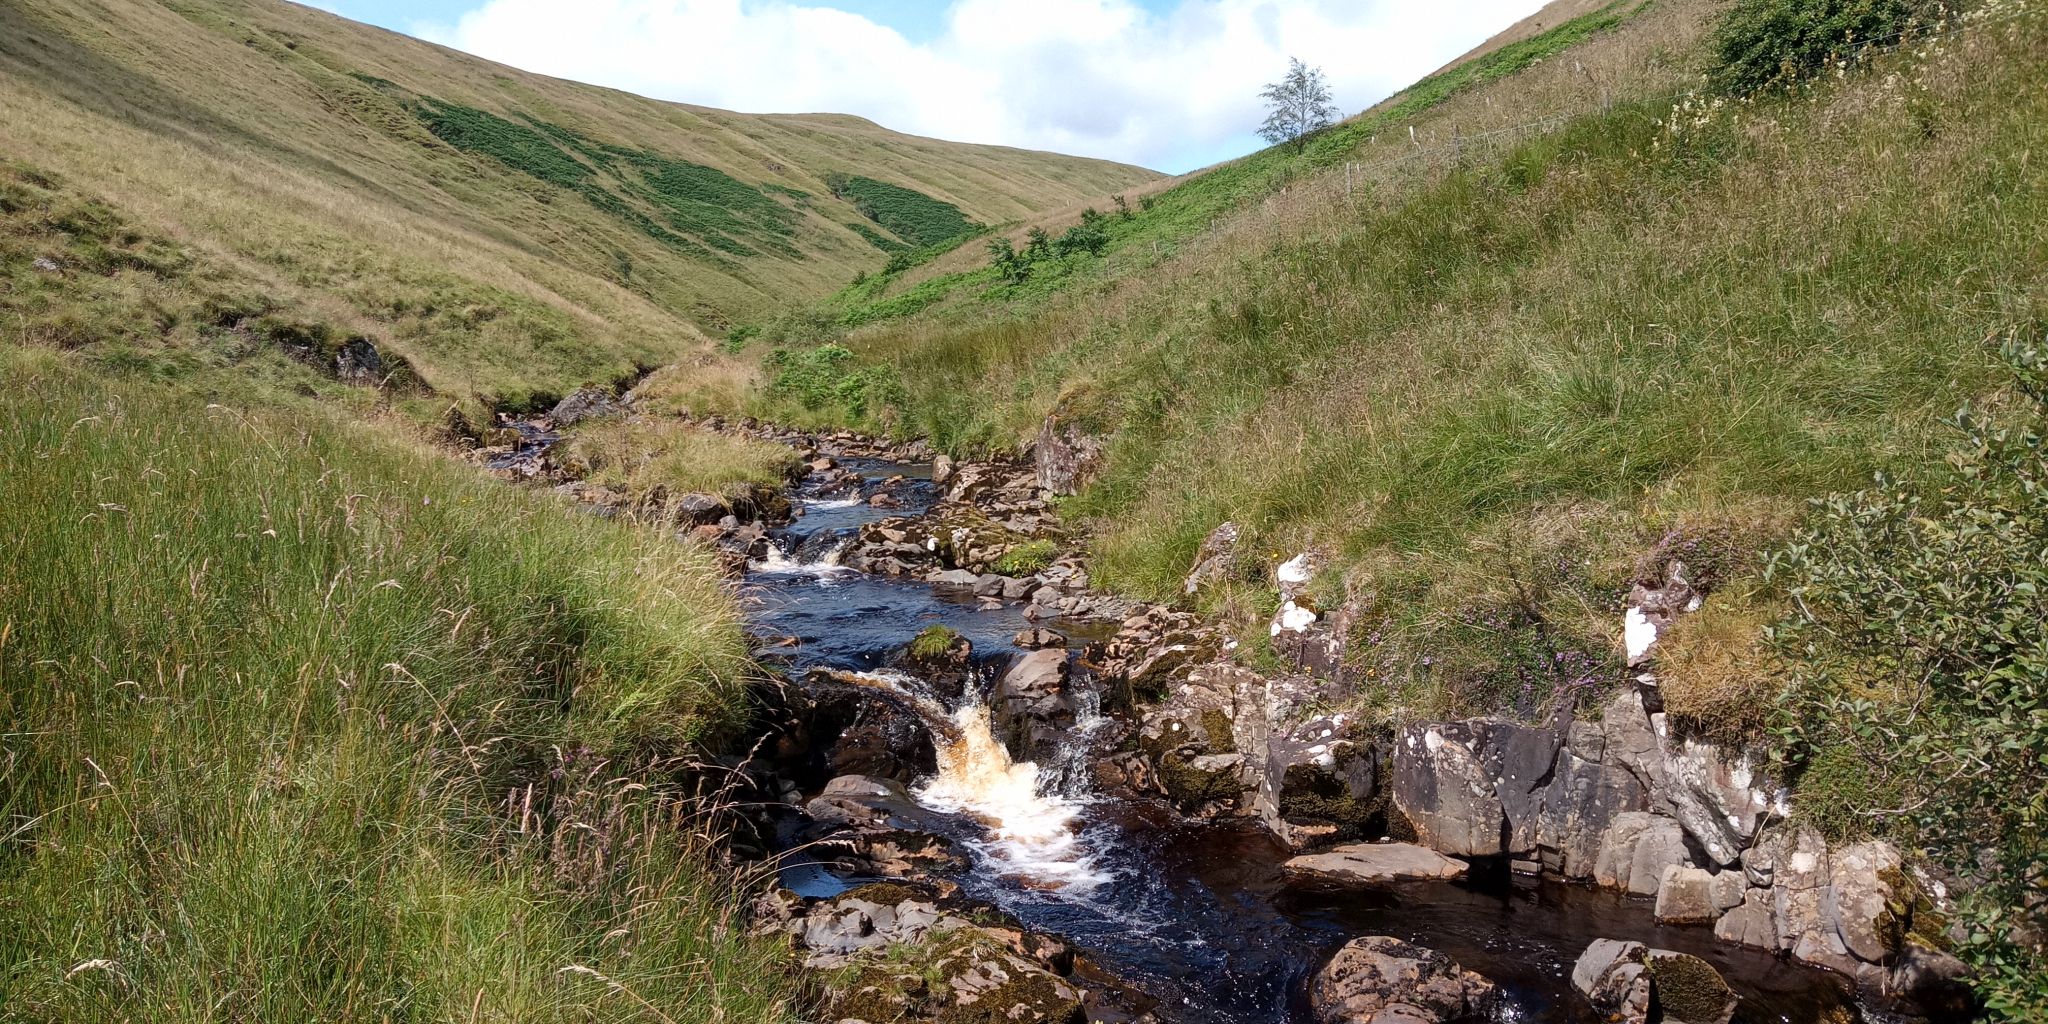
304 723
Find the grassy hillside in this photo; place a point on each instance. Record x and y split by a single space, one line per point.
1488 373
510 234
307 723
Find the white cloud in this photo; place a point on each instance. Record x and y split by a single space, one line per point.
1104 78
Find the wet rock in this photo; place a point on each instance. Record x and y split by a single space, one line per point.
1630 982
1033 639
1749 923
584 404
1216 559
1381 979
942 469
893 853
1033 709
1324 779
944 659
1366 863
861 800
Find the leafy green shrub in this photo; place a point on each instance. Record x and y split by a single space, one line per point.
1763 43
1921 664
1090 236
933 642
829 375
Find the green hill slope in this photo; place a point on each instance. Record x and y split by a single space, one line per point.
510 234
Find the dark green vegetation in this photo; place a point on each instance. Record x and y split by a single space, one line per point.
1764 43
1921 672
306 723
828 377
910 215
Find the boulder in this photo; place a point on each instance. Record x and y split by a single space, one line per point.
1379 979
1580 803
584 404
1213 563
1066 456
1033 710
1685 895
861 800
1367 863
1749 923
358 362
1444 786
1636 849
1714 798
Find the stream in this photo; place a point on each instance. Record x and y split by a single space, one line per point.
1194 913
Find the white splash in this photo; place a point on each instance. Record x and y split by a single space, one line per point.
829 504
1033 835
777 562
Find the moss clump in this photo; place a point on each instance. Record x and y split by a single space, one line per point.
1217 726
1189 785
1032 998
1026 558
1688 988
935 642
1309 794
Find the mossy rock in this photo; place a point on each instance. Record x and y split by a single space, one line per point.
1313 795
1219 729
1688 988
1024 999
1189 785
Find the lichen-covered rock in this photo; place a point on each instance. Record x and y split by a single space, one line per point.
1444 786
1713 796
1381 979
1636 849
1323 777
584 404
1067 455
1216 559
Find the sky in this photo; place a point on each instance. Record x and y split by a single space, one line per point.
1167 84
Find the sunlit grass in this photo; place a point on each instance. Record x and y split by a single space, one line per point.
304 724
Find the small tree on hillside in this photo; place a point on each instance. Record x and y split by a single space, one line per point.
1297 106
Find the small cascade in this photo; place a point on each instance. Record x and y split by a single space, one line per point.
1034 832
816 556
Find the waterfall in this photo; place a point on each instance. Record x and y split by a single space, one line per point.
1033 833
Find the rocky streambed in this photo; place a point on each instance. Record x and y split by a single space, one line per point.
996 796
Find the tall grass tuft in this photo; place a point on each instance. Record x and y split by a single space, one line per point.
302 724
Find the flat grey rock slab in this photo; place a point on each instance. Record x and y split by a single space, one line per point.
1369 863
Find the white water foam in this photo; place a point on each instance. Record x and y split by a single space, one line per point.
829 504
1033 836
778 562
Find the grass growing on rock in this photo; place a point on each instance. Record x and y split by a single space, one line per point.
648 456
307 724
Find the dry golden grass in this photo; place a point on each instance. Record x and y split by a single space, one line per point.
653 459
